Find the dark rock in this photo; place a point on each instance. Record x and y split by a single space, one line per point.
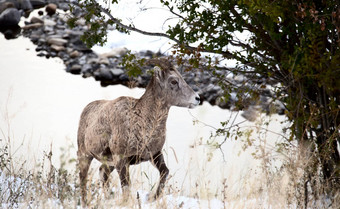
78 45
39 48
75 69
10 17
266 92
22 4
124 78
51 9
10 32
53 54
103 74
220 101
5 5
64 56
25 5
36 4
41 54
86 69
147 53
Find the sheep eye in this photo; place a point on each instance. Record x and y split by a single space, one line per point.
174 82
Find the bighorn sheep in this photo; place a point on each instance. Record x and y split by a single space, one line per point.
127 131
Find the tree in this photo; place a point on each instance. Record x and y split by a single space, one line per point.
293 45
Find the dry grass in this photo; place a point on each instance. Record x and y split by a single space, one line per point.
278 182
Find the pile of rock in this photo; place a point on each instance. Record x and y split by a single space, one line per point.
11 12
54 38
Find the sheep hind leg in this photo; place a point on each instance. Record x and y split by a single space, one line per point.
159 163
84 163
104 173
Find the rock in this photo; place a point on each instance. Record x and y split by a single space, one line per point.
54 36
51 9
251 113
9 17
82 60
103 74
81 22
73 32
93 60
56 41
21 4
64 56
220 101
36 4
41 54
48 29
37 20
239 78
64 6
147 53
25 5
211 88
57 48
48 22
75 69
104 61
11 32
79 45
116 52
124 78
117 72
279 107
74 54
32 26
87 68
53 54
5 5
35 36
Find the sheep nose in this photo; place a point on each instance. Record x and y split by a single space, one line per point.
197 98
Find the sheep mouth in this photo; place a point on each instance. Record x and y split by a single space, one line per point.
193 105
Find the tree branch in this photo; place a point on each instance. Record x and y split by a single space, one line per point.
226 54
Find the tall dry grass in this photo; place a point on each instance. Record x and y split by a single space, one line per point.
279 181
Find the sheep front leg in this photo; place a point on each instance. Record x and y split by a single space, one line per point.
158 162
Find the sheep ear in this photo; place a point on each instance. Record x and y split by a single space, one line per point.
158 73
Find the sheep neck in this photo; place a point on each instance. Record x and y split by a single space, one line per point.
152 104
